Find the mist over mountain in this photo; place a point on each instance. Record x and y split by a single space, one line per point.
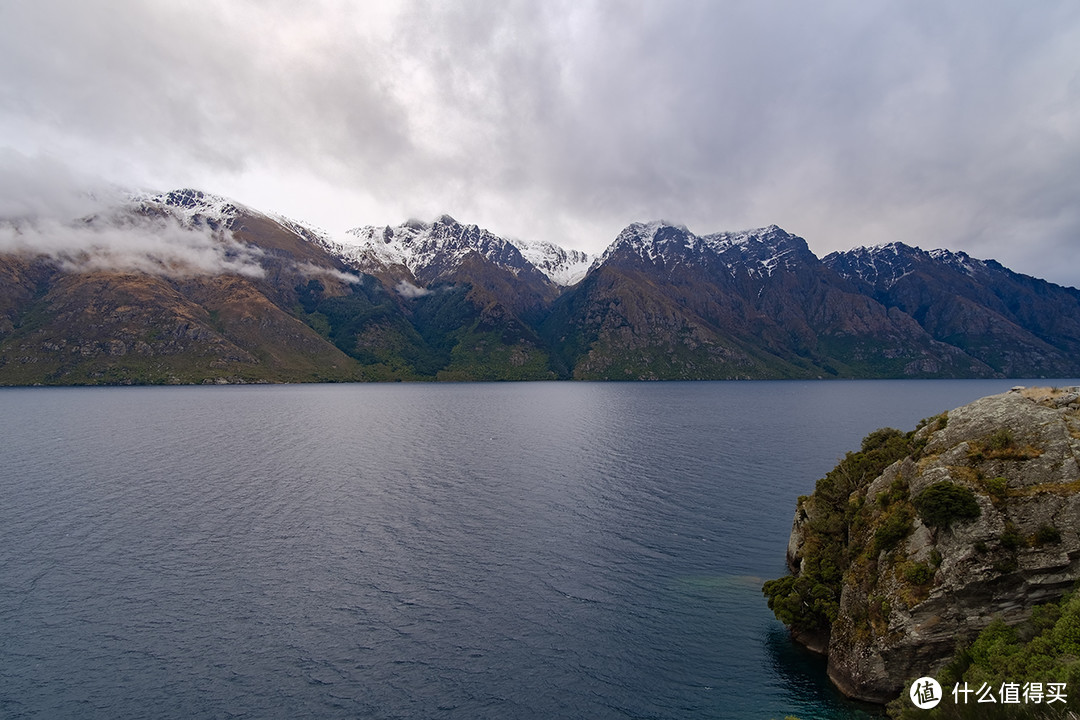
188 287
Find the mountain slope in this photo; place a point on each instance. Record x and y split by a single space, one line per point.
472 296
128 306
1018 325
190 287
756 303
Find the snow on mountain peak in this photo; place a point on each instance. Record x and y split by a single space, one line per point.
960 260
563 267
192 207
886 264
430 250
759 252
649 241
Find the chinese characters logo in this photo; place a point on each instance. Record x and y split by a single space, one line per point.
925 693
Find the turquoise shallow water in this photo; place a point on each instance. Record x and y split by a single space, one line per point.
547 550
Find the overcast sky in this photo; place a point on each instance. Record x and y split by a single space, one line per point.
940 124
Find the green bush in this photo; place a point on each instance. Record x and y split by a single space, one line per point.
810 601
1043 649
895 528
945 502
1000 440
918 573
1047 535
998 488
1011 539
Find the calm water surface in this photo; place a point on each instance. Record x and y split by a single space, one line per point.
545 550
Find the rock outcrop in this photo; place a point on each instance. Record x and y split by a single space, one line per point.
978 519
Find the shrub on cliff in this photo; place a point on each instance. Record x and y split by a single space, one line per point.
1000 655
945 502
810 600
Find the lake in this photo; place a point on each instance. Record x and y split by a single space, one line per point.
521 550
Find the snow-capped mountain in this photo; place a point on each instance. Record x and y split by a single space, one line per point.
1015 322
662 300
885 265
429 251
249 295
563 267
651 242
433 251
758 252
193 208
190 207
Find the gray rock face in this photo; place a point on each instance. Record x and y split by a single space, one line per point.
904 611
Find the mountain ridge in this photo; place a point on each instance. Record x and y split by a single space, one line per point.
1011 321
450 300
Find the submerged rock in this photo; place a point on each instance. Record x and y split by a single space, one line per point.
977 517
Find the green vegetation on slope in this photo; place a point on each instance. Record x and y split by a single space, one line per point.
440 335
810 601
945 502
1045 649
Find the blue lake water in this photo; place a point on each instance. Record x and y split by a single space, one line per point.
538 550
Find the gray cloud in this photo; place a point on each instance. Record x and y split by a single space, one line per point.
44 187
954 125
407 289
156 247
311 270
83 224
78 222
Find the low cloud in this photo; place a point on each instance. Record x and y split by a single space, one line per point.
407 289
311 270
157 246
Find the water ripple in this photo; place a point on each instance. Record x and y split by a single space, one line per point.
452 551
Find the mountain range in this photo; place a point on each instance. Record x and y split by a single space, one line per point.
188 287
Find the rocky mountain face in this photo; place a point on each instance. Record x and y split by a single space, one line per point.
662 302
189 287
974 516
1018 325
447 252
473 297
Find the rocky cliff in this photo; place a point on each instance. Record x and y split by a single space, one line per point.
922 539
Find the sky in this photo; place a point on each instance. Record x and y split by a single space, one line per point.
937 124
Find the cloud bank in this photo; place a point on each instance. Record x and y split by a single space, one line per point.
157 247
80 223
